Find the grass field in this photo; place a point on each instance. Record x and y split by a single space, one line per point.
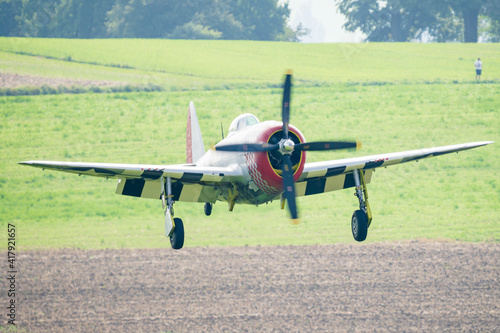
178 64
392 97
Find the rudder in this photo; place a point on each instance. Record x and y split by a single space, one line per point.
194 142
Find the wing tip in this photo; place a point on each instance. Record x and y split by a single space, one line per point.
481 143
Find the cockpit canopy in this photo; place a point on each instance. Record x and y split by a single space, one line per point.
243 121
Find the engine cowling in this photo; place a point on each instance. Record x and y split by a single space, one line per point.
265 167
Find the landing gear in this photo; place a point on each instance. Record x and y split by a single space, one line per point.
207 208
174 228
177 235
362 217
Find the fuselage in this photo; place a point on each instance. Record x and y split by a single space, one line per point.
261 181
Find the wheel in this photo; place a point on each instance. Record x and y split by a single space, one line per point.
177 236
208 208
359 225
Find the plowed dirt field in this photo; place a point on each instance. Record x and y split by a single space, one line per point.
398 287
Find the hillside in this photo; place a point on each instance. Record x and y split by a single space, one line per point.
180 64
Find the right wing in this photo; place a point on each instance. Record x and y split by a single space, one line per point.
189 182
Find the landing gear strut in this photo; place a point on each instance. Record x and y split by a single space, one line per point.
362 217
174 228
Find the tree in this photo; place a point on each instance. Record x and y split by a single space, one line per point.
37 17
192 30
219 16
249 19
149 18
9 9
241 19
263 19
290 35
199 19
63 18
81 18
489 18
212 22
447 28
464 20
469 11
477 14
391 20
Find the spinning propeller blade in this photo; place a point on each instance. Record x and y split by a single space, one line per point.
285 106
326 145
289 187
248 147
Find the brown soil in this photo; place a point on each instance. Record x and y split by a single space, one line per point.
15 80
399 287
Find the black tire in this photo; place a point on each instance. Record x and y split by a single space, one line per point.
359 225
208 208
177 236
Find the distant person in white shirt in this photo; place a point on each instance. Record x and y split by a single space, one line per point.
479 68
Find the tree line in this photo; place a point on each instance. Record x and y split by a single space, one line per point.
436 20
379 20
186 19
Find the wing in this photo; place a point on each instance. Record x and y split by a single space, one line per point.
334 175
189 182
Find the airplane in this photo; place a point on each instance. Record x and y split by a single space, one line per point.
256 163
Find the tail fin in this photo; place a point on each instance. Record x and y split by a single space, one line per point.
194 142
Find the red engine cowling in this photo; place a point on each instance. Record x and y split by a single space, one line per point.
265 167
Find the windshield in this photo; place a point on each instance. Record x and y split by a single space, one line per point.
243 121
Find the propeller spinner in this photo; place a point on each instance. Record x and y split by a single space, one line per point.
286 147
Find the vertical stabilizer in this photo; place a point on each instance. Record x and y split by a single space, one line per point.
194 142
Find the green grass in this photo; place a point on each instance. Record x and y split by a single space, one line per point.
453 197
181 64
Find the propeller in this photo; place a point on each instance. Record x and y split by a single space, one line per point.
289 187
286 146
285 106
248 147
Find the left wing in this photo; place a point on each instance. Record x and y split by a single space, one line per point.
189 182
320 177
